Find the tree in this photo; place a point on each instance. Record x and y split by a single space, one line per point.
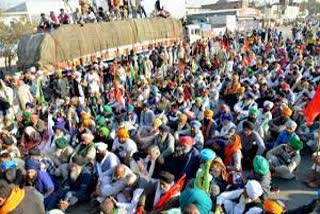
10 36
313 6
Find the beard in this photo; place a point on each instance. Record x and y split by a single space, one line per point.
252 119
99 157
164 137
75 172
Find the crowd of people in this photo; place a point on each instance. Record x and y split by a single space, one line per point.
88 13
188 128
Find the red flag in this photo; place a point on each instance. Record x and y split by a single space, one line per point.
181 66
245 45
117 92
313 108
177 187
186 93
128 97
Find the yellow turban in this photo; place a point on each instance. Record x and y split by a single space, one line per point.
123 133
157 122
85 115
286 111
272 206
208 113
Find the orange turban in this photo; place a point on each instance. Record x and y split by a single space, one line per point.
123 133
86 123
208 113
272 206
286 111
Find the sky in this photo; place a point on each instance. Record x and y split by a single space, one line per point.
8 3
37 6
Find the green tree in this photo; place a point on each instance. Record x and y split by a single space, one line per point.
313 6
9 38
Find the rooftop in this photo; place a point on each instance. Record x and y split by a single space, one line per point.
18 8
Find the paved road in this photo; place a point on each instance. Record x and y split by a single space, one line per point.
293 193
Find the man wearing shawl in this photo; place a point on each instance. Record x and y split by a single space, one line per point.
40 179
208 126
158 196
232 154
261 173
16 200
203 177
285 158
86 149
252 144
185 159
106 161
242 200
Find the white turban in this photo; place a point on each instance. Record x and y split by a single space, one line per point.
254 189
291 124
33 70
101 146
87 136
268 104
29 130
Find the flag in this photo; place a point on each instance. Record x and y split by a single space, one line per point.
313 108
39 93
117 92
181 66
186 93
177 187
245 46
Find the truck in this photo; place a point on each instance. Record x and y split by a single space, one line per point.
71 45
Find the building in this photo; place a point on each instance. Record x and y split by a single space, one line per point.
31 9
16 13
246 18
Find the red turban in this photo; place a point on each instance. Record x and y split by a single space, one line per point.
186 141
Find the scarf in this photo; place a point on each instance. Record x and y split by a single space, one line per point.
174 190
202 180
39 92
83 151
231 149
15 198
218 161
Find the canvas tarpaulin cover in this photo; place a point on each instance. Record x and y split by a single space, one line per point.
70 42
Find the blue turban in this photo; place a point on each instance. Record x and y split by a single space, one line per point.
130 108
9 164
197 197
221 142
195 123
227 117
207 154
32 164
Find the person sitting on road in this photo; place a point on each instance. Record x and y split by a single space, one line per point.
285 158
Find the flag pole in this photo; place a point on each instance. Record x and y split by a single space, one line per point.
317 157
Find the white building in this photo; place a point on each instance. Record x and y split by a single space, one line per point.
31 9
